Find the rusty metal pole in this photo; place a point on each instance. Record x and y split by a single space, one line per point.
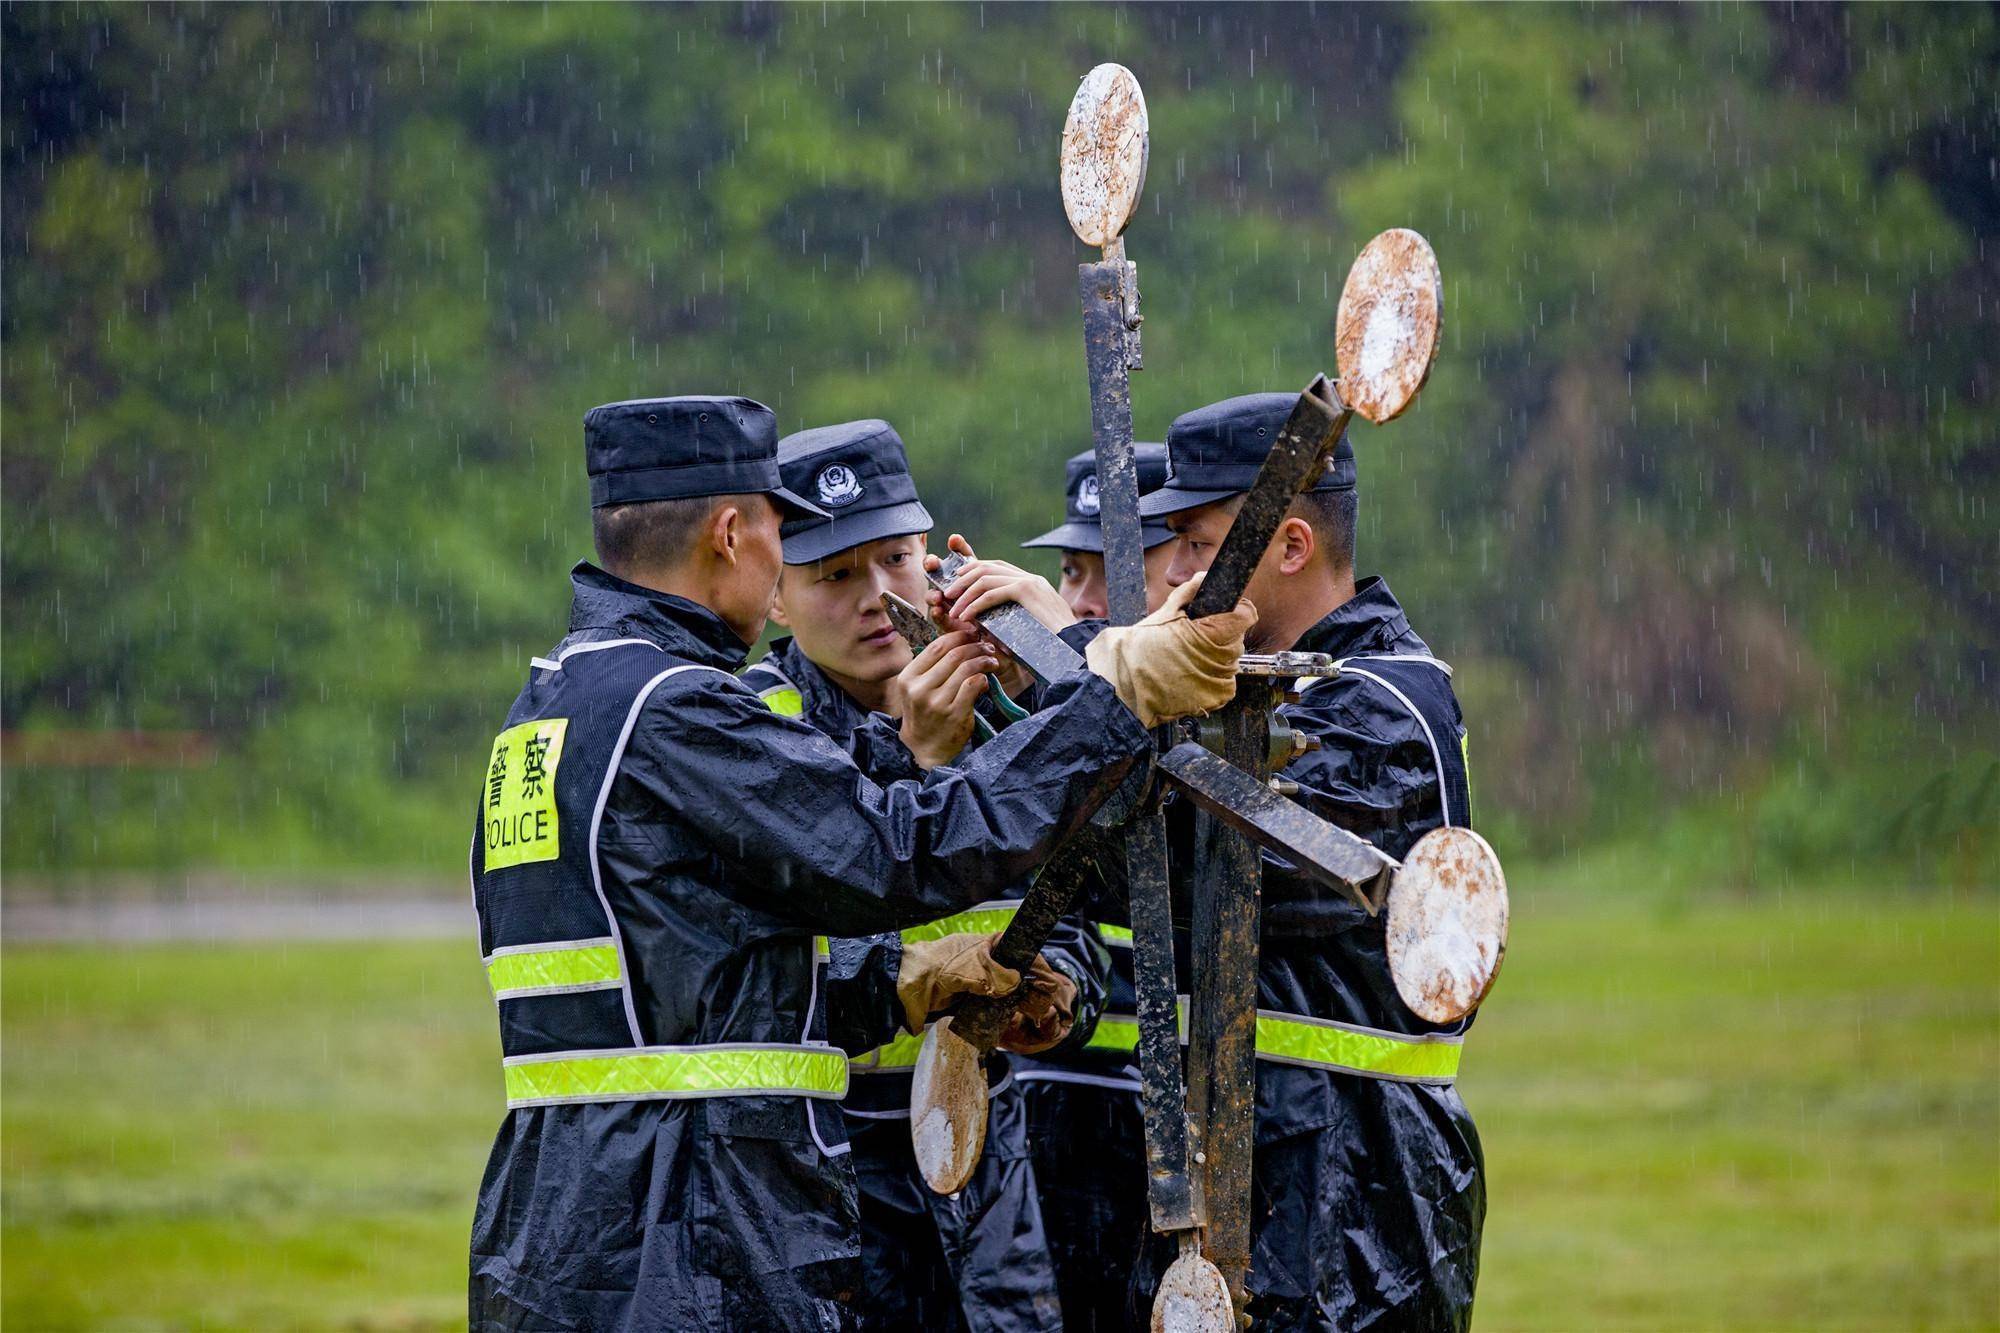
1226 882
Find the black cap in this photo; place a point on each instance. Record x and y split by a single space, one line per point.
678 448
861 477
1214 452
1083 526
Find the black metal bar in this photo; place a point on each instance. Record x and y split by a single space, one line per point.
1173 1192
1296 460
1222 1028
982 1020
1110 341
1107 343
1245 802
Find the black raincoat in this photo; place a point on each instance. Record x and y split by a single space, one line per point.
1369 1194
1088 1138
978 1259
724 839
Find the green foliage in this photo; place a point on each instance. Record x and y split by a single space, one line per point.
304 307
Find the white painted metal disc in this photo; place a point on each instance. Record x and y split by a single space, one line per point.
1193 1298
947 1109
1104 154
1391 316
1447 924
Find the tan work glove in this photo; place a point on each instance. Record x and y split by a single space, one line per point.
936 972
1045 1012
1168 666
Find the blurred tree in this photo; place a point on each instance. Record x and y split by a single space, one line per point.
1728 312
304 306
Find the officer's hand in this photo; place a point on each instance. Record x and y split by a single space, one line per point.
1044 1013
935 693
985 584
1168 666
934 973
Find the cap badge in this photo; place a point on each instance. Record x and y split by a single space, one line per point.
837 485
1088 501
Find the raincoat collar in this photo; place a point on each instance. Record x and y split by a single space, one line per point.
1371 621
603 601
827 706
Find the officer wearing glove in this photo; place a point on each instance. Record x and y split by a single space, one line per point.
977 1259
1368 1179
655 851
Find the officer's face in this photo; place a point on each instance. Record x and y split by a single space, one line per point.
1085 590
748 527
1273 588
834 607
1198 534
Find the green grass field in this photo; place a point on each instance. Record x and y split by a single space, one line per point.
1779 1113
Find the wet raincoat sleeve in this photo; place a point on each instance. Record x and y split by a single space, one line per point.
818 844
878 750
1372 775
862 1008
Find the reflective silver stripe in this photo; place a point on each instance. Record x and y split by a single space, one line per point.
599 645
1437 756
805 1035
604 795
1046 1074
903 1112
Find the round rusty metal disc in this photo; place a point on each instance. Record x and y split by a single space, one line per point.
1447 924
1193 1298
1391 316
947 1109
1104 154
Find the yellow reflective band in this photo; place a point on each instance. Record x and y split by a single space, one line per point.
890 1057
517 799
656 1072
822 948
553 969
981 920
1115 1032
1289 1039
1465 759
785 701
1115 935
1120 1032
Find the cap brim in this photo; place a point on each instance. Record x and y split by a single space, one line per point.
1169 500
1090 537
795 506
844 531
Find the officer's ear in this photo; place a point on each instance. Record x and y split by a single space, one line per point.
778 599
1296 544
726 531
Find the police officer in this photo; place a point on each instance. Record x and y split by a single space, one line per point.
1080 536
1369 1185
655 851
976 1259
